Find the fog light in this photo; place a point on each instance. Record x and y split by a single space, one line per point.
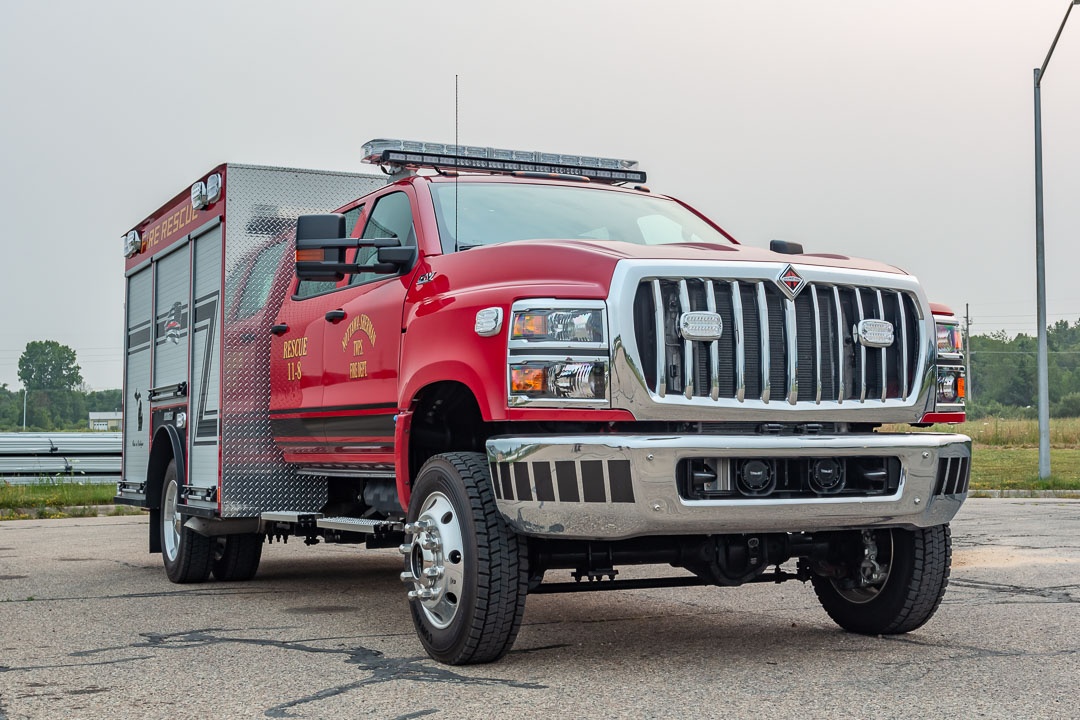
756 478
826 476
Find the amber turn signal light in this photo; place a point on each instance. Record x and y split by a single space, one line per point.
527 379
312 255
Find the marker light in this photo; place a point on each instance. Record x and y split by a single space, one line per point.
311 255
488 322
132 244
198 195
415 154
213 188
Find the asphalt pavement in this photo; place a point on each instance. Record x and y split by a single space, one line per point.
91 628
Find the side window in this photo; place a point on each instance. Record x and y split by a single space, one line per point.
259 280
390 218
307 288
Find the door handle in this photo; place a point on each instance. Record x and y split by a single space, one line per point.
280 329
335 315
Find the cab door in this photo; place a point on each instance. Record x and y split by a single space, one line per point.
362 344
296 364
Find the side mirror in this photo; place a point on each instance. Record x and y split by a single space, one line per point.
320 247
785 247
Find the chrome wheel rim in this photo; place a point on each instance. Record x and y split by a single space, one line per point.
435 560
171 523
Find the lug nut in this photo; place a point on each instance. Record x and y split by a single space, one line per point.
429 543
435 571
424 594
404 549
407 577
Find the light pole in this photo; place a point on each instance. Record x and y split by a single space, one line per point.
1040 265
25 391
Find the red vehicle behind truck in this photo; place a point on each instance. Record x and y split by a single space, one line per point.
506 363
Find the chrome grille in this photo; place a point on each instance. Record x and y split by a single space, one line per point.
772 348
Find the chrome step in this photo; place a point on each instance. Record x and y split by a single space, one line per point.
290 516
364 525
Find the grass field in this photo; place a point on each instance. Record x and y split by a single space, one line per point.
1006 453
55 499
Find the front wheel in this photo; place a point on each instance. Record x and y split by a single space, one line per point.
186 553
885 582
466 569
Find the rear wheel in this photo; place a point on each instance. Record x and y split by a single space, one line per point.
889 581
185 552
236 557
466 569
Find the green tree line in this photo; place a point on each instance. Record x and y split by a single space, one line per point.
55 397
53 410
1004 374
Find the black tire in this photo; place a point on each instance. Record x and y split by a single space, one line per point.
186 553
236 557
492 583
919 562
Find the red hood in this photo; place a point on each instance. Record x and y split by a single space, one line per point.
583 268
687 251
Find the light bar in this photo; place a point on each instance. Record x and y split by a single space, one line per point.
413 154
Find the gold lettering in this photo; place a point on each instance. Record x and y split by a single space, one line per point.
294 348
358 370
361 323
357 347
295 371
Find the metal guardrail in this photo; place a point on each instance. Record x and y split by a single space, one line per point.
60 457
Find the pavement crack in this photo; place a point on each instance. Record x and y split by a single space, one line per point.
160 594
967 652
1053 594
57 666
382 669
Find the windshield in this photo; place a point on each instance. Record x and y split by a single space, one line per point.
488 213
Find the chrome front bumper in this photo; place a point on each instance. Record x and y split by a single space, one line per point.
621 486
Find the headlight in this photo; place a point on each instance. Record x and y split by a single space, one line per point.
950 385
558 353
949 339
572 325
571 380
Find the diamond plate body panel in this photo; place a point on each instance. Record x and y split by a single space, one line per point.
262 206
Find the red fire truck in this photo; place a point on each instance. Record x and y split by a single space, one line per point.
509 363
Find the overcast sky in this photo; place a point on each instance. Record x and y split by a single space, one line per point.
901 131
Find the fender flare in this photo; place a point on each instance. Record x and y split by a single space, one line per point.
167 445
